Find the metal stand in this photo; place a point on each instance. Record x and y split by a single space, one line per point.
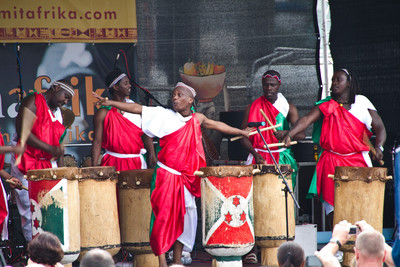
286 189
21 90
147 93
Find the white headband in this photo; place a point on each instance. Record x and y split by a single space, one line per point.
66 87
181 84
347 72
117 80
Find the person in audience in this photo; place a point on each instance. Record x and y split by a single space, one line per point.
291 254
97 258
45 250
370 247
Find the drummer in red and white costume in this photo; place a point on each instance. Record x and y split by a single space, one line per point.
174 185
43 144
119 132
344 132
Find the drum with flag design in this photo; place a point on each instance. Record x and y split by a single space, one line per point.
54 197
134 215
99 222
359 195
227 213
270 211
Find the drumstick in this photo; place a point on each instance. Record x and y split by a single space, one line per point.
198 173
280 144
14 183
255 132
28 119
371 147
266 118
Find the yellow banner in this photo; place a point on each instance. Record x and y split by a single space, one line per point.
68 21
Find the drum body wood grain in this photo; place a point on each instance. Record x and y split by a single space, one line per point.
227 213
134 214
54 196
270 211
99 222
359 195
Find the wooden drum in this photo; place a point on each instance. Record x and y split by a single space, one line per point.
99 211
270 210
54 197
134 215
359 195
227 213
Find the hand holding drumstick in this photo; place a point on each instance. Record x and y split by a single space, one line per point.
279 134
253 132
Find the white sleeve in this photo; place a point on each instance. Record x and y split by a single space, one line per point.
159 121
360 110
365 102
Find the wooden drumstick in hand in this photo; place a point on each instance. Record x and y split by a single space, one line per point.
267 120
255 132
28 119
371 148
13 183
280 144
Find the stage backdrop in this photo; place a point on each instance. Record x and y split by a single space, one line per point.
85 65
68 21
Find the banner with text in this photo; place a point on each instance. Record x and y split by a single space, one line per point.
68 21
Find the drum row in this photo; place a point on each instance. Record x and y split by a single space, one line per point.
80 206
241 206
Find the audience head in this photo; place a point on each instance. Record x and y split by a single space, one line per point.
45 248
97 258
370 245
291 254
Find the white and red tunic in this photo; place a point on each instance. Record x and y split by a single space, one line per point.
175 186
342 141
49 129
122 140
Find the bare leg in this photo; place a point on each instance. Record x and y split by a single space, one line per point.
162 261
178 248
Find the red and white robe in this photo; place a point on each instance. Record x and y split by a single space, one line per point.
342 140
277 114
122 141
174 184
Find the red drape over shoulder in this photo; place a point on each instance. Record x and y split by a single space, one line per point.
49 130
255 116
343 134
121 136
182 151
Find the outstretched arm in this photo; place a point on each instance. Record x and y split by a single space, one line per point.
220 126
302 124
128 107
12 149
